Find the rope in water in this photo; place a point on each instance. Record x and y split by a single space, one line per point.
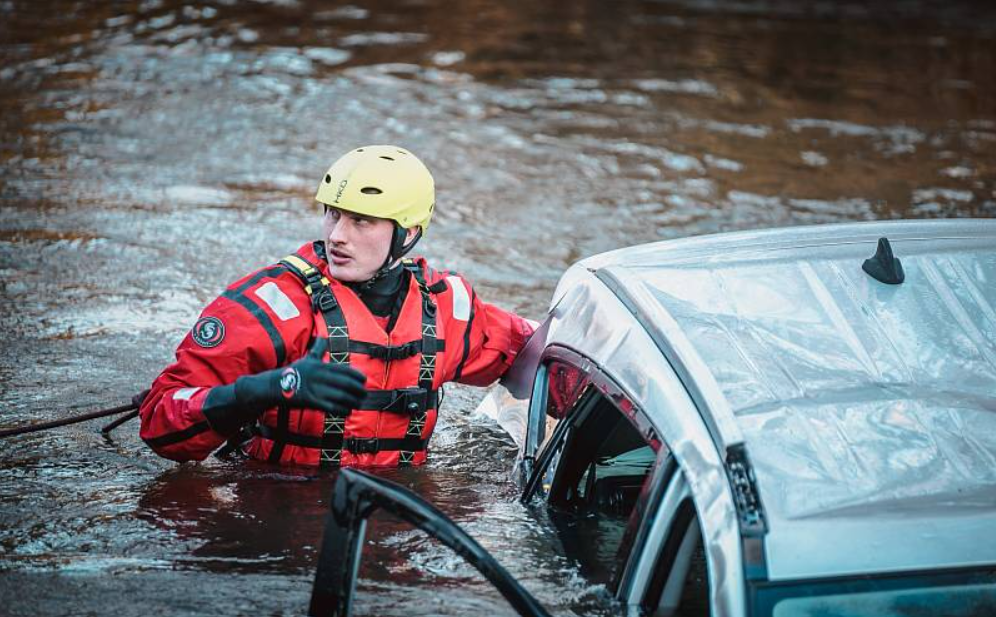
93 415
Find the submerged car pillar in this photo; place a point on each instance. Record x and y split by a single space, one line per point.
356 496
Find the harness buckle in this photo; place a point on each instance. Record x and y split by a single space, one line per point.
358 445
401 352
429 306
324 301
397 352
409 401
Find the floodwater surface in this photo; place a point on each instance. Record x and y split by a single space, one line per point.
153 151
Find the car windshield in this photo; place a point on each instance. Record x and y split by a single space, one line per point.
971 594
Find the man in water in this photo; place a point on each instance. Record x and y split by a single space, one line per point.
337 354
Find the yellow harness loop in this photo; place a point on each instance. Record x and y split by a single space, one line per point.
305 269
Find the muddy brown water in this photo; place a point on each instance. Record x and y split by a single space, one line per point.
151 152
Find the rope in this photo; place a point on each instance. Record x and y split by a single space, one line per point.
93 415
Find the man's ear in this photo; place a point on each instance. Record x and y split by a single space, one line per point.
411 234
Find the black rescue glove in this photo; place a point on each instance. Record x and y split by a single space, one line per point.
308 383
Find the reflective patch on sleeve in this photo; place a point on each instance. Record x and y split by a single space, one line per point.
184 394
277 300
461 299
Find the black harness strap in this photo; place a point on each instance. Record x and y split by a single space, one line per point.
323 300
427 366
404 400
359 445
413 401
294 439
390 352
334 426
280 434
356 445
177 436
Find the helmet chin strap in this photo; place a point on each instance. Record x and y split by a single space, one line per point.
398 250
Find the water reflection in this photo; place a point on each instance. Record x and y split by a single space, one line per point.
249 519
254 517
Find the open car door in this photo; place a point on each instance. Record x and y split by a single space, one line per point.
356 496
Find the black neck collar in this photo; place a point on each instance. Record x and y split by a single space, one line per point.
381 295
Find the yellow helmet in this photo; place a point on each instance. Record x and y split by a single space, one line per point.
386 182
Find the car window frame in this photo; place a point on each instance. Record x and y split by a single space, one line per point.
663 567
601 384
600 381
605 384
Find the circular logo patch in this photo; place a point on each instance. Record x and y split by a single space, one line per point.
208 332
290 379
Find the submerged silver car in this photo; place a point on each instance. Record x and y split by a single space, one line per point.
776 423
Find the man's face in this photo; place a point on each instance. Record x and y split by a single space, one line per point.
356 245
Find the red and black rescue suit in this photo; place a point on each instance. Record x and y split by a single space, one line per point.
438 331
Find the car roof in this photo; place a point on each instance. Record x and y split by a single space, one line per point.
868 410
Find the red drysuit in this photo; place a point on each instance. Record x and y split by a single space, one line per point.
268 319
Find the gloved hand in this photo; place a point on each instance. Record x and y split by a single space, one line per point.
308 382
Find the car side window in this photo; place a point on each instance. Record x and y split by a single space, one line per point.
595 468
604 464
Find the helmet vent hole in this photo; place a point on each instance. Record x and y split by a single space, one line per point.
371 190
387 158
328 179
359 149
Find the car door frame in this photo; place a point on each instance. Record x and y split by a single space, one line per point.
664 468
